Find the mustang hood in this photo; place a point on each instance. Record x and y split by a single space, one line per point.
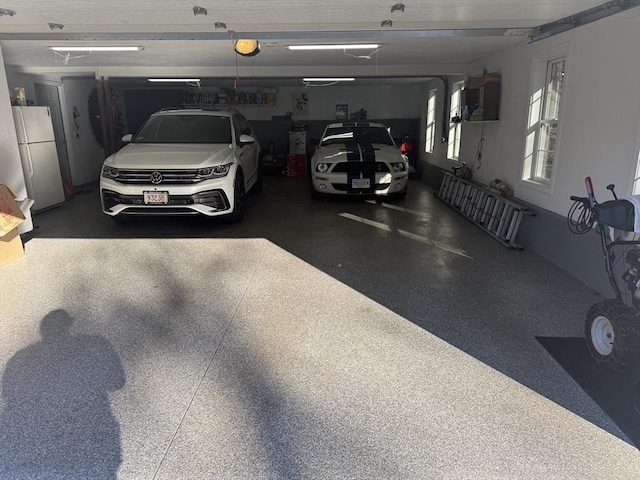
354 152
170 156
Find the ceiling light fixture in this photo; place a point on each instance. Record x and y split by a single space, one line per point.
95 49
220 25
324 81
334 47
328 79
199 10
6 11
398 7
247 47
56 26
183 80
387 23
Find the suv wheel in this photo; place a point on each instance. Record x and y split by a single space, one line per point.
257 186
238 200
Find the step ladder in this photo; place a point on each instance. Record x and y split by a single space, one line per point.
500 217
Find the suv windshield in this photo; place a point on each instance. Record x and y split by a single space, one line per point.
185 129
358 134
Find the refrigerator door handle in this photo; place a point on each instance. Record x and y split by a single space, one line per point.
28 154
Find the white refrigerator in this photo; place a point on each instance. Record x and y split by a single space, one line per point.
39 156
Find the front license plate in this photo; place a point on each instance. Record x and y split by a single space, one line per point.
156 198
361 183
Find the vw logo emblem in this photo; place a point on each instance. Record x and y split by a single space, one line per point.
156 178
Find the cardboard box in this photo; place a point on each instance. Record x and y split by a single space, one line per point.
10 247
10 214
10 217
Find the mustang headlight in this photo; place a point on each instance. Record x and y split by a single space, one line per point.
322 167
110 172
214 172
398 166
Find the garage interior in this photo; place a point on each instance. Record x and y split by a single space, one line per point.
360 338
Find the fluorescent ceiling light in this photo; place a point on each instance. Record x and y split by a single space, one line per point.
95 49
194 80
367 46
328 79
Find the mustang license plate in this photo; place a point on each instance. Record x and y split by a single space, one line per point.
156 198
360 183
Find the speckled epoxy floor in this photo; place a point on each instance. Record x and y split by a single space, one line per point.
314 340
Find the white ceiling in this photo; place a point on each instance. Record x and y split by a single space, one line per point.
435 37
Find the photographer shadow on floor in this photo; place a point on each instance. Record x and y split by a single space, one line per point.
57 421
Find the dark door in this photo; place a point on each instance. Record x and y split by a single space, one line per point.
47 95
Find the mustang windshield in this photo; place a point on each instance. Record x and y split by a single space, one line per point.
357 134
185 129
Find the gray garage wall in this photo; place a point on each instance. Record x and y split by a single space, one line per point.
547 234
270 123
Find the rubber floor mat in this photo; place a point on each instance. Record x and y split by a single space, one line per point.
618 394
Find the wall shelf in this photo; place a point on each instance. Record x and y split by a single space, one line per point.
229 98
483 92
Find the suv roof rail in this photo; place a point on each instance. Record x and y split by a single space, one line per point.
204 108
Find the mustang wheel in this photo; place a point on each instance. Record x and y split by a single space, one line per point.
612 333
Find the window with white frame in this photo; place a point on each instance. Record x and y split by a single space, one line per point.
430 139
544 119
453 147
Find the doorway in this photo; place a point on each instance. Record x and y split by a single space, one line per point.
48 95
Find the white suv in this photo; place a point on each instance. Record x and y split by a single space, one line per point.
184 162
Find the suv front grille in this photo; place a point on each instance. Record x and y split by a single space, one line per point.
172 177
215 199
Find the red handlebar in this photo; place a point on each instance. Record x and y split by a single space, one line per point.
592 197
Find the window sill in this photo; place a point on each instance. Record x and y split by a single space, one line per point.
538 186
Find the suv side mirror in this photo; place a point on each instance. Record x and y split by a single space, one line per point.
127 138
246 139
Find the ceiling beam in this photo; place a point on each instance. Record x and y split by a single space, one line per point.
284 35
582 18
249 72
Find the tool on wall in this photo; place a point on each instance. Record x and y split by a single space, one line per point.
76 122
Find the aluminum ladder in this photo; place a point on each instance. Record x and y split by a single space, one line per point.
500 217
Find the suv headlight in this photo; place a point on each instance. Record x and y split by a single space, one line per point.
322 167
398 166
110 172
214 172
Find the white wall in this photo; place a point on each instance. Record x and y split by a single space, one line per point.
88 155
600 120
10 164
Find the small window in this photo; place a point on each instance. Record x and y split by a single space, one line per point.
545 109
453 147
431 122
